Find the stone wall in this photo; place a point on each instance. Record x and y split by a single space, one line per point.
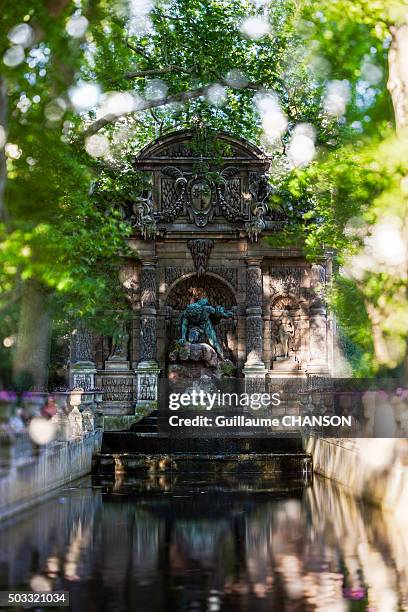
30 480
374 470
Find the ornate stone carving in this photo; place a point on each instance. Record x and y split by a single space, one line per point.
200 195
254 322
183 292
83 381
254 333
148 291
200 203
178 150
260 190
173 194
81 346
286 280
129 278
183 150
117 389
229 194
148 300
283 302
200 252
144 217
229 274
254 287
120 345
202 178
199 351
147 387
283 335
173 273
148 339
259 187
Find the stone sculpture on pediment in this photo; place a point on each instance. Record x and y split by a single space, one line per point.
174 194
144 217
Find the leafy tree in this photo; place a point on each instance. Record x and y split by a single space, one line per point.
360 194
54 239
88 83
160 66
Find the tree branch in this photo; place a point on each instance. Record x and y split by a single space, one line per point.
159 122
138 50
165 16
183 96
138 74
146 105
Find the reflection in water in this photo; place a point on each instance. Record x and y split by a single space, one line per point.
198 545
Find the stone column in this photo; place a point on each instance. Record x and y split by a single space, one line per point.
254 366
83 368
147 370
318 323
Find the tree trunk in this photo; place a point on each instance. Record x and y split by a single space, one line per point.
398 73
3 126
398 88
381 351
34 336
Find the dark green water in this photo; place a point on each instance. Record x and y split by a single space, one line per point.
200 545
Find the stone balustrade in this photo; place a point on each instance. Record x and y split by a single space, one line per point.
46 440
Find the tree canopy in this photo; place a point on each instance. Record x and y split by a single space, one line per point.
87 83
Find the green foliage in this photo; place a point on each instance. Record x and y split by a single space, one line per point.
67 210
227 369
55 232
354 329
355 183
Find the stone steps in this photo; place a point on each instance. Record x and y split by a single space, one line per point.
159 443
144 450
146 425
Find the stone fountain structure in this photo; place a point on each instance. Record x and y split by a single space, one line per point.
201 229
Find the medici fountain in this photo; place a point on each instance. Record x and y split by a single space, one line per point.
189 518
207 293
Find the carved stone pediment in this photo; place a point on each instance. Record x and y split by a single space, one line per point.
221 181
190 144
199 196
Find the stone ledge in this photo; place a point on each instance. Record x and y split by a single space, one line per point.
26 484
373 470
282 465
